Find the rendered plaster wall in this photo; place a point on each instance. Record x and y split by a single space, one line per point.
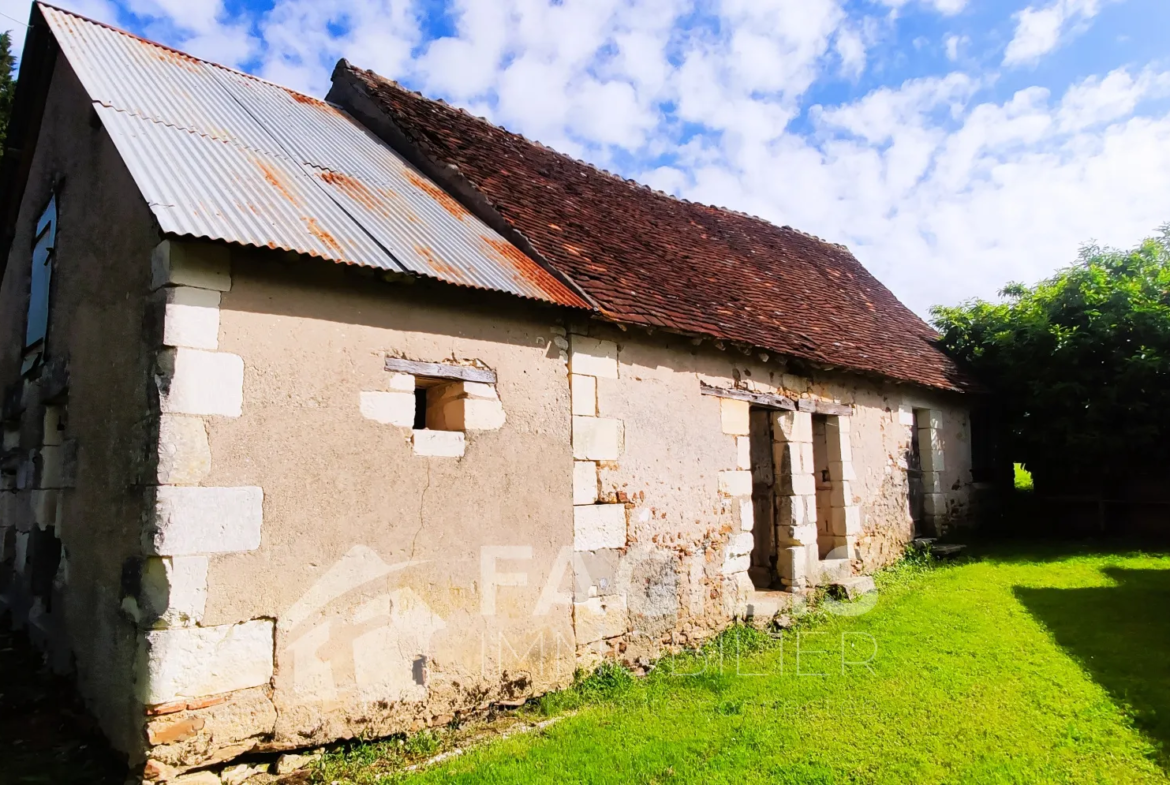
73 467
365 578
678 462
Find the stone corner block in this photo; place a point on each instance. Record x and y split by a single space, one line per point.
191 318
174 590
585 490
735 416
189 520
193 662
439 444
388 408
184 454
194 381
593 357
196 264
792 427
845 521
597 438
735 483
597 526
600 618
583 392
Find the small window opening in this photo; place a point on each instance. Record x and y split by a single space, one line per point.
420 408
432 405
40 279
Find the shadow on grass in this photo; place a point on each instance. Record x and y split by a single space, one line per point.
1121 636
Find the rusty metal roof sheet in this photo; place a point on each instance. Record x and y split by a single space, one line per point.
222 155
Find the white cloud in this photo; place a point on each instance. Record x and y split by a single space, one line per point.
1039 29
14 16
200 27
945 7
955 44
851 49
1099 100
940 189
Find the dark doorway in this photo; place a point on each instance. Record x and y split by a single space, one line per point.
763 569
916 489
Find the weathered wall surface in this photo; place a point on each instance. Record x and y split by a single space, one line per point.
680 466
395 576
67 533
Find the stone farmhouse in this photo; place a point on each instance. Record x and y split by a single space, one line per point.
343 417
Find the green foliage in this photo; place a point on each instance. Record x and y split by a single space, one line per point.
7 85
1028 666
1081 361
1023 481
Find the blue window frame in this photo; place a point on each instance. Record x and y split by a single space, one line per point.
39 285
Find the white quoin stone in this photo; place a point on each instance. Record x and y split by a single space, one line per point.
191 318
747 515
841 494
44 506
439 444
792 427
54 428
800 535
931 482
740 544
20 552
599 618
174 590
593 357
845 521
837 441
930 451
934 504
597 438
735 483
188 521
52 466
584 482
743 452
796 484
842 470
583 390
735 416
389 408
192 662
193 381
733 564
184 455
201 265
402 382
597 526
792 511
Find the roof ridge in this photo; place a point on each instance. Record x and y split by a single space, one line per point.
600 170
178 52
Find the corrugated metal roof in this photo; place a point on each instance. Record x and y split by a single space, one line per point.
225 156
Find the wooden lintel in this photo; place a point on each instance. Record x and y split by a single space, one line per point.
462 373
759 399
834 409
780 401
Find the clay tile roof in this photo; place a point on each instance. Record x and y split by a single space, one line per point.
651 259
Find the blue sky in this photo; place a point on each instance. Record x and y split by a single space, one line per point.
953 145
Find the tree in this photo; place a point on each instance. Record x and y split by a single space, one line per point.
1080 363
7 85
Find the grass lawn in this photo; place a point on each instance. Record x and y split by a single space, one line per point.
1044 665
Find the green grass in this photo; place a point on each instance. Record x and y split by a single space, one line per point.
1017 667
1023 480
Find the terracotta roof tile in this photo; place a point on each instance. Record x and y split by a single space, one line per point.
652 259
